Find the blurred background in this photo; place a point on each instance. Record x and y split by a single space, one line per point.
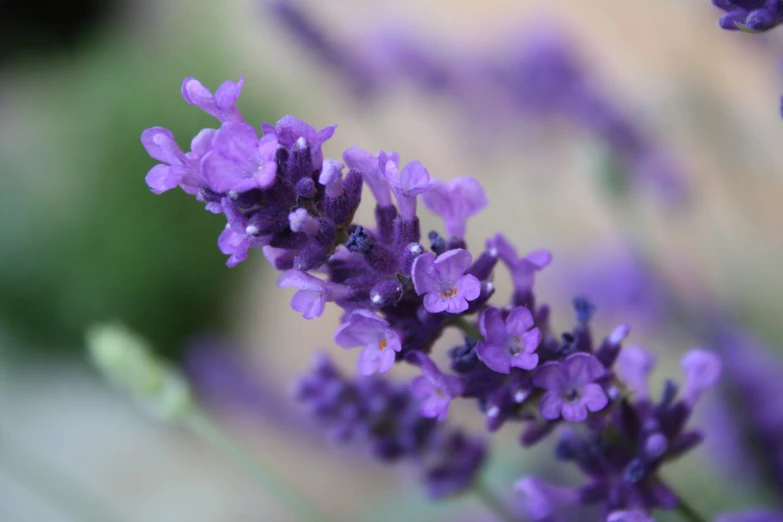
696 209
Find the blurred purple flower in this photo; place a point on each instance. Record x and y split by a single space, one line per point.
571 387
221 105
379 342
455 202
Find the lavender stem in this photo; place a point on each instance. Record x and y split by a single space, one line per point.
470 329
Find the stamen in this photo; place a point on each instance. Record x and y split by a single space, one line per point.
449 294
382 344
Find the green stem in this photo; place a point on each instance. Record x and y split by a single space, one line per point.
59 491
494 503
688 512
470 329
207 429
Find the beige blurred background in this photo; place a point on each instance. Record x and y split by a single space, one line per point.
709 96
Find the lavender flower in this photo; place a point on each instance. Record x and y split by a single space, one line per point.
571 387
508 343
444 282
290 131
455 202
753 16
633 515
434 389
406 184
385 417
221 105
239 160
522 269
177 168
379 342
312 293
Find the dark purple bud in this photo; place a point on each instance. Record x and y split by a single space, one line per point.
669 393
359 242
673 419
381 260
483 266
584 309
386 293
300 163
536 432
567 346
437 243
385 218
610 348
407 231
248 199
408 256
655 446
341 210
685 442
305 188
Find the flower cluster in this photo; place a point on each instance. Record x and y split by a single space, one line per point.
399 294
752 16
385 417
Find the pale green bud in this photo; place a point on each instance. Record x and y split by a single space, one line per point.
126 359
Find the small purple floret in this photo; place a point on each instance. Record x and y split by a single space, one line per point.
313 293
571 390
508 343
434 389
221 105
443 281
240 160
380 343
455 202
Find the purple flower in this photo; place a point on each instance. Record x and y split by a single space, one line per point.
177 168
434 389
634 365
632 515
240 160
751 516
542 500
237 238
364 328
371 167
522 268
751 16
508 343
444 281
455 202
289 130
313 293
407 183
702 370
571 390
222 105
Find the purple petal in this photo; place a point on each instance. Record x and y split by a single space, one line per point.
223 175
238 142
519 321
301 280
228 93
574 411
161 177
236 244
414 179
309 303
456 304
525 361
451 265
435 303
363 328
550 406
437 199
492 326
468 288
633 365
425 278
531 340
160 144
506 250
542 499
550 376
593 397
582 368
372 360
495 357
702 370
290 129
367 164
